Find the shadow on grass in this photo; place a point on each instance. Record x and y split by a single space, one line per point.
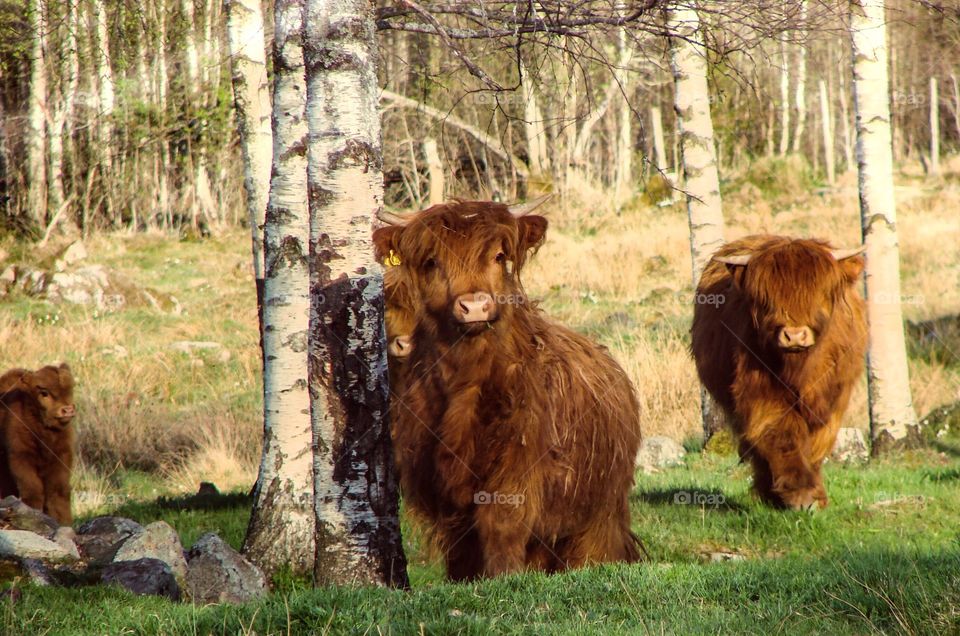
692 496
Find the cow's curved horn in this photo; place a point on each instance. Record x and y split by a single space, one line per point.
392 219
523 209
734 259
842 254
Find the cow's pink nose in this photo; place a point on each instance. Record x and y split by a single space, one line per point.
795 338
475 307
67 411
400 347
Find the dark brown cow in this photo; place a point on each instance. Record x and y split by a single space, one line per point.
779 337
515 437
36 439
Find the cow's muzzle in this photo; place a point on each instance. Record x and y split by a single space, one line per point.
795 338
400 346
476 307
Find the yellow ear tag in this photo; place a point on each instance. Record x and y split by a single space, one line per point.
392 260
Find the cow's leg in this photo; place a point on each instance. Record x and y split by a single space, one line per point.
462 552
504 530
29 484
57 494
784 443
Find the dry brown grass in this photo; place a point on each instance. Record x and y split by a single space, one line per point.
623 278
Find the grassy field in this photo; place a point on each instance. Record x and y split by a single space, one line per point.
154 422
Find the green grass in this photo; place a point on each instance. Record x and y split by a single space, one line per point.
884 557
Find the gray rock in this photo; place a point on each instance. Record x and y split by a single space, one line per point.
219 574
16 515
851 446
24 544
157 541
659 452
64 537
74 253
100 538
143 576
32 570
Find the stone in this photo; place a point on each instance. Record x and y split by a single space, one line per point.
219 574
74 253
850 447
32 570
64 537
24 544
145 576
157 541
659 452
207 488
16 515
100 538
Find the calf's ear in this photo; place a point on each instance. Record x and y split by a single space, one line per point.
533 230
386 241
852 267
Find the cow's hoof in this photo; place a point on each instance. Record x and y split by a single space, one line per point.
807 499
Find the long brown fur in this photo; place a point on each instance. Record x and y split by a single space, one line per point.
515 439
36 438
785 408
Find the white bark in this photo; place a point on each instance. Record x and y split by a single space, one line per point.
435 170
246 43
281 529
624 154
63 109
827 124
659 149
356 491
36 204
848 141
800 96
784 97
105 81
934 127
701 180
534 128
190 54
892 417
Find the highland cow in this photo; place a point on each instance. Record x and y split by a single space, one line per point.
781 351
36 439
516 437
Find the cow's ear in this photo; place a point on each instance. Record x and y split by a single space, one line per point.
852 267
533 230
385 242
737 272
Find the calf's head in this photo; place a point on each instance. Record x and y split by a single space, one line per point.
51 388
463 259
400 315
792 288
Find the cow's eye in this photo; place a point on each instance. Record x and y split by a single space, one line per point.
43 393
429 265
501 257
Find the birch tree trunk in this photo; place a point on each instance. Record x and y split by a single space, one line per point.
63 111
827 124
934 128
624 172
800 95
356 488
848 141
105 81
251 98
701 180
893 421
36 204
534 128
784 97
281 530
659 149
435 169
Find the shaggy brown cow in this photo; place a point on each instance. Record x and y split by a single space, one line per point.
36 439
780 350
517 437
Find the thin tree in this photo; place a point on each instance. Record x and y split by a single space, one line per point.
36 204
893 421
251 98
355 484
701 179
281 529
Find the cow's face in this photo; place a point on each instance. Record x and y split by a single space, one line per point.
52 389
463 260
401 314
792 289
